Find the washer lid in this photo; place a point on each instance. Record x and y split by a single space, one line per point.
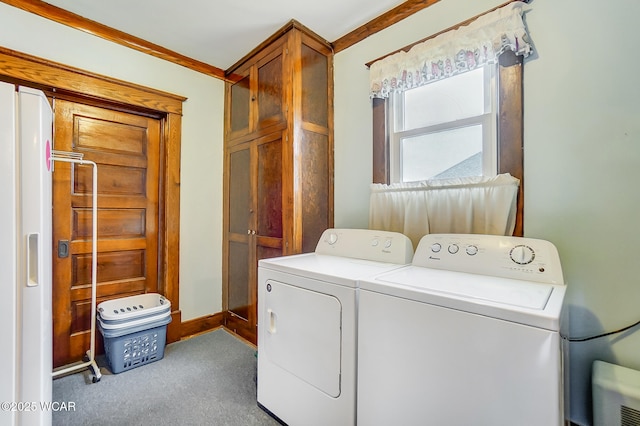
525 302
518 293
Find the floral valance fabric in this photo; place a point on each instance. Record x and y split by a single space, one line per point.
453 52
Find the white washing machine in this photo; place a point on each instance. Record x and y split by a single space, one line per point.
307 324
466 335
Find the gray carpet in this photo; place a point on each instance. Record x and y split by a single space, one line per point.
205 380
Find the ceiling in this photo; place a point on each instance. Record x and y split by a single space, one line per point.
221 32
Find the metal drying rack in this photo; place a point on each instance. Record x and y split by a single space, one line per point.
77 158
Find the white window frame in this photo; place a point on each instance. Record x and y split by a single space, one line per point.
488 120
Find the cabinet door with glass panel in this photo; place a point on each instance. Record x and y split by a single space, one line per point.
254 227
255 100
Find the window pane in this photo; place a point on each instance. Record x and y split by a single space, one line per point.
442 155
450 99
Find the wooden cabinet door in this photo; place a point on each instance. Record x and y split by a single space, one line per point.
255 100
126 149
240 219
239 105
269 98
254 225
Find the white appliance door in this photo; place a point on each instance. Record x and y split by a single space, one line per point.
421 364
35 250
303 334
8 288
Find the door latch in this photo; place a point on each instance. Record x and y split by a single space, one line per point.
63 248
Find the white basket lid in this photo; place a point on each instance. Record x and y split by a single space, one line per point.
134 322
133 306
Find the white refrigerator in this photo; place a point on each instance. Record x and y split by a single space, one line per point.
25 256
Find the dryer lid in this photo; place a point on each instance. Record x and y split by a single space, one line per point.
335 269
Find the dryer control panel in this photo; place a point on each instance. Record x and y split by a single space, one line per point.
499 256
366 244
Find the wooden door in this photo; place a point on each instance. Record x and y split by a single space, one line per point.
254 226
126 149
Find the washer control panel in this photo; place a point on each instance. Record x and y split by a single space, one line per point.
500 256
367 244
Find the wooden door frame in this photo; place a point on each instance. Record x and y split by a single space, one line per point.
57 79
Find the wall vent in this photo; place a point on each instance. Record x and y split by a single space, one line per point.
629 416
616 395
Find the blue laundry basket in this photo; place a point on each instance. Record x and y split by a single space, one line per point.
134 330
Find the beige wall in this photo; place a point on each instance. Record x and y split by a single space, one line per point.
202 134
582 158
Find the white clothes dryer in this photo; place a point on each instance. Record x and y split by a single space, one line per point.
466 335
307 324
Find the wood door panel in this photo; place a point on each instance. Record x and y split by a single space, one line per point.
117 159
112 180
238 291
81 316
239 108
240 191
270 89
107 291
269 188
108 245
314 87
110 136
112 223
126 148
113 266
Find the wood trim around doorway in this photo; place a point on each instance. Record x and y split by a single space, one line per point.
58 80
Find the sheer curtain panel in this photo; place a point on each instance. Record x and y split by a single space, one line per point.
460 206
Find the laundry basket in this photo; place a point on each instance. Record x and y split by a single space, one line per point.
134 330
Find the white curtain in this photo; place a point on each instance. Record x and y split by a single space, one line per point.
459 206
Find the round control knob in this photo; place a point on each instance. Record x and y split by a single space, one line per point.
453 248
472 250
387 243
522 254
374 242
436 247
332 238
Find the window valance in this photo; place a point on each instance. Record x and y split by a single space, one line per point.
453 52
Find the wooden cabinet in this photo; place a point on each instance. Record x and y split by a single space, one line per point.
278 172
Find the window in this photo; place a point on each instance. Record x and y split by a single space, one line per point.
445 129
403 153
508 105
